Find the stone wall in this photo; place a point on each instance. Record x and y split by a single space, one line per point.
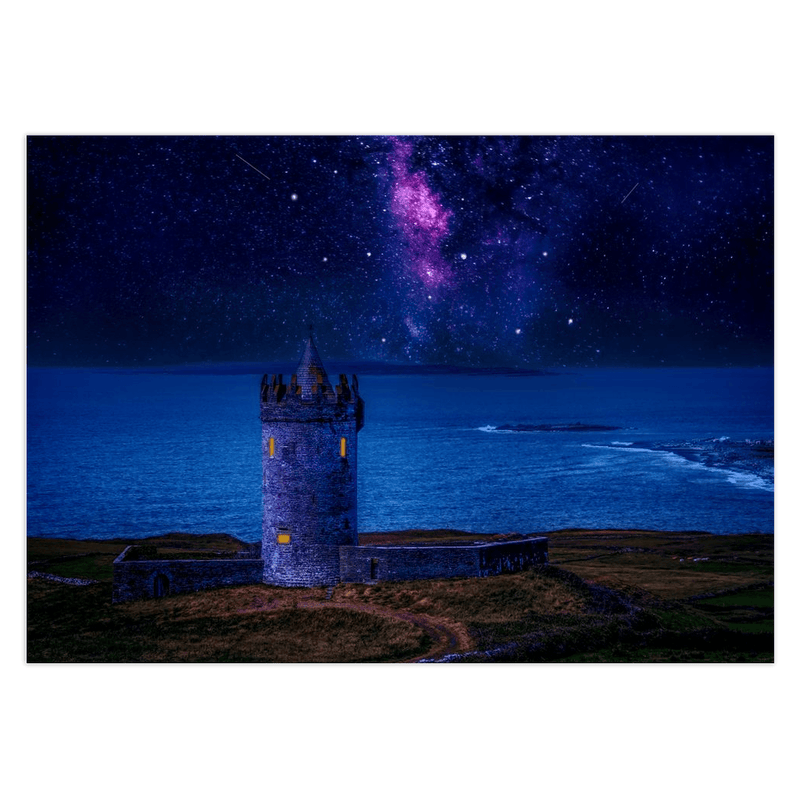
135 580
370 564
310 499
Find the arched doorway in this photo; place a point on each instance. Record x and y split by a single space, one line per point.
160 586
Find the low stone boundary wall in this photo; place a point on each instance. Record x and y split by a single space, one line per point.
372 563
136 580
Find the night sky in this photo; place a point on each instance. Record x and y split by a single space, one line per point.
470 251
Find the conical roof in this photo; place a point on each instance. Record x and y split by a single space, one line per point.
310 371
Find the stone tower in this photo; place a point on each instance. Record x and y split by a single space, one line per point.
309 456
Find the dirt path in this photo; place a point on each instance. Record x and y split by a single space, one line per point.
447 637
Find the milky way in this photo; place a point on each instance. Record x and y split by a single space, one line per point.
419 214
470 251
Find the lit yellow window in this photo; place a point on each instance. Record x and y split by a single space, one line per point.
284 538
271 447
343 447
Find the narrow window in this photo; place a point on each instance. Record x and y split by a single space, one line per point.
271 447
284 536
373 569
343 447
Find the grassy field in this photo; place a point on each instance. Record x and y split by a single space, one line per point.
607 596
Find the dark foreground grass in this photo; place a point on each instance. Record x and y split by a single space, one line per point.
79 623
607 596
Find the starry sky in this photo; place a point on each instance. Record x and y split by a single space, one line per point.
472 251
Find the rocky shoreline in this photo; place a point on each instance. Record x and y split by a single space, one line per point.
753 456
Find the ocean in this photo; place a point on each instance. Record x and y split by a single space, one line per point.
126 453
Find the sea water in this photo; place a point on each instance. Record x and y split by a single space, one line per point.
124 453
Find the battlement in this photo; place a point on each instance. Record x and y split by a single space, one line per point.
281 402
310 396
320 390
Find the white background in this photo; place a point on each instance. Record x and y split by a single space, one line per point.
414 67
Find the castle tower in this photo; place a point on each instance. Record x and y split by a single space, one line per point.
309 456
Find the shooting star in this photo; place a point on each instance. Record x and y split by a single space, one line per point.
623 199
267 176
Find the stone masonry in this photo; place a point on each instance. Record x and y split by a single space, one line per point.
135 579
370 564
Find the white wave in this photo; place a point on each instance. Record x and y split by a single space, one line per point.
747 481
742 480
495 429
621 446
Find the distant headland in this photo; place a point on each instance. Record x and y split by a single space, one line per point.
347 367
569 427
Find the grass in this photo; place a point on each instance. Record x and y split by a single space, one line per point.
237 624
607 596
